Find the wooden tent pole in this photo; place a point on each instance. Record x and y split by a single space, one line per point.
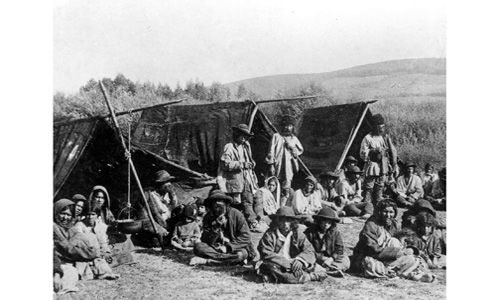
132 166
276 130
351 138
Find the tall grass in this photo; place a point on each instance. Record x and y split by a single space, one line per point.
418 128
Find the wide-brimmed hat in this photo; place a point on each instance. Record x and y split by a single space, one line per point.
285 212
354 170
78 197
329 174
410 164
327 213
351 158
216 196
378 119
424 205
163 176
243 128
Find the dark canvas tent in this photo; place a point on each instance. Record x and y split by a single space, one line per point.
194 135
87 152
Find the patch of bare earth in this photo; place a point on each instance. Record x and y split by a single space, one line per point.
167 275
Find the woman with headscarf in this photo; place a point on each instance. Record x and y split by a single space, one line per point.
307 201
379 254
268 198
99 197
117 245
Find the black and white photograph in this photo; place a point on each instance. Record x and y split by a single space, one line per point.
249 150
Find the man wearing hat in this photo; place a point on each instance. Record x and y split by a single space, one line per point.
380 157
286 254
408 186
350 191
350 161
284 150
162 200
437 196
327 242
236 175
226 237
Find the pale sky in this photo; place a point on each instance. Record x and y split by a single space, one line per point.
175 41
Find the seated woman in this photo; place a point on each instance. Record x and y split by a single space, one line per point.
80 203
76 247
119 245
427 240
307 201
186 232
327 242
286 254
268 199
379 254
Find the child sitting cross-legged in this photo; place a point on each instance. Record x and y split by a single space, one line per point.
186 232
327 242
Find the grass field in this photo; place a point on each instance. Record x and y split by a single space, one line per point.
167 275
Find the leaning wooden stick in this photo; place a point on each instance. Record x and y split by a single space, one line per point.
132 166
276 130
351 138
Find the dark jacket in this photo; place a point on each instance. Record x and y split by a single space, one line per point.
334 245
270 246
236 230
368 238
431 247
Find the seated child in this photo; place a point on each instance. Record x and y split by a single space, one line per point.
428 241
186 232
327 242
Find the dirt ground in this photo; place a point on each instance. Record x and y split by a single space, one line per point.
158 275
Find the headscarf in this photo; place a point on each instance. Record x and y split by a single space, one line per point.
106 214
271 200
59 206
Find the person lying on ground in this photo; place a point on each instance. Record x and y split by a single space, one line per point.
408 187
409 220
99 197
286 254
187 232
350 191
428 176
437 197
77 249
379 255
267 202
80 202
380 158
226 237
307 201
328 189
427 240
328 243
284 150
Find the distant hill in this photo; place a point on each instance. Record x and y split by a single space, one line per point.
388 79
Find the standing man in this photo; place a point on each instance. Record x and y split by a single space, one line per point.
284 151
380 156
236 176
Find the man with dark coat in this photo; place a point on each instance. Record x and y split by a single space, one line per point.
226 237
286 254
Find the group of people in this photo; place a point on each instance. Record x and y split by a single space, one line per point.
301 241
